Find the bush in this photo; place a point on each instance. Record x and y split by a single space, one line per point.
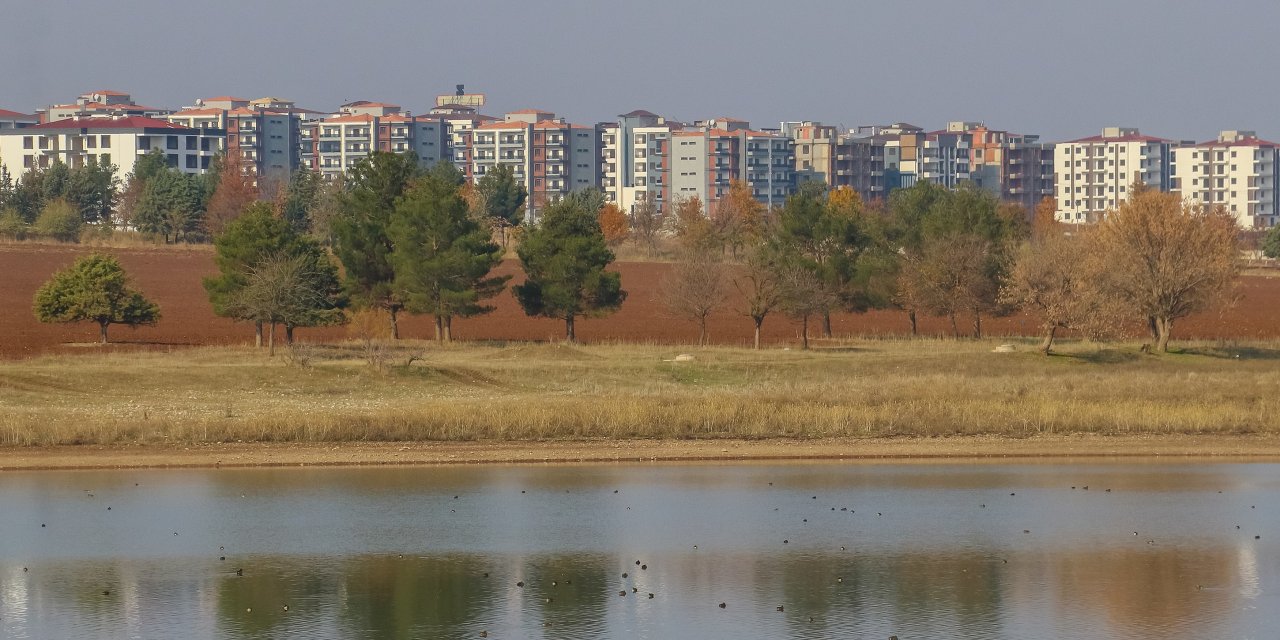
12 226
59 220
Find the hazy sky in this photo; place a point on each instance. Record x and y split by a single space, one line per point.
1175 68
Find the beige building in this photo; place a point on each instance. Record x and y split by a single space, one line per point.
265 134
1237 171
332 145
100 103
1094 174
108 140
547 155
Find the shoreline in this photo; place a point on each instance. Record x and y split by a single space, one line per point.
1242 448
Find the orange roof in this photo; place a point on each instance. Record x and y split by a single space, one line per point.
198 112
551 124
351 118
503 125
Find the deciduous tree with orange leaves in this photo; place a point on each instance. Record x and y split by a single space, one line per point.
614 225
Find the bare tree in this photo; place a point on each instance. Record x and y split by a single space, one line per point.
951 276
802 294
1166 259
757 282
285 290
696 286
646 224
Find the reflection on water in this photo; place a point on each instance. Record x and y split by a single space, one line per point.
814 551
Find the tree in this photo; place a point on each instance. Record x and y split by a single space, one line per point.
802 294
234 191
503 198
246 244
695 287
300 198
1271 243
758 284
94 289
91 189
169 205
646 223
329 205
613 223
442 256
360 233
290 290
692 228
58 220
737 218
1165 259
564 258
12 225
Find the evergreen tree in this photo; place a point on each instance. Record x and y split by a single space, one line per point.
360 232
503 198
564 258
442 256
94 289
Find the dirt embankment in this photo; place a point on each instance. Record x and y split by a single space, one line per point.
172 277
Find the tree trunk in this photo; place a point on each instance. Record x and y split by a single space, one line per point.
977 324
271 341
288 334
826 324
439 329
1165 327
102 331
911 316
1048 340
448 328
804 333
395 325
759 320
1155 329
257 334
955 330
702 331
569 335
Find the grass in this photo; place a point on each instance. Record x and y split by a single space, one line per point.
529 391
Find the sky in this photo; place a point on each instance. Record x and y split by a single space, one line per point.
1181 69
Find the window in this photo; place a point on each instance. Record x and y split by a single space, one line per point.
204 162
28 142
172 160
171 142
191 162
191 144
90 142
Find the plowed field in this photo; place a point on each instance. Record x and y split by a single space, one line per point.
171 277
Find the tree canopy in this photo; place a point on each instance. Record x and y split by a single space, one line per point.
94 289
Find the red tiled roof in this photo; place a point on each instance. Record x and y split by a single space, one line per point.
198 112
503 125
551 124
1245 142
5 113
1126 138
132 122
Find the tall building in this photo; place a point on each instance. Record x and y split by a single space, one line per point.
548 156
911 154
100 103
1237 171
1015 167
333 144
119 140
851 159
265 134
647 157
1094 174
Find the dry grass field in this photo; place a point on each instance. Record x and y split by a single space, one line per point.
500 391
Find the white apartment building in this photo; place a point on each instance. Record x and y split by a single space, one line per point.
332 145
1093 174
548 156
1237 171
110 140
635 160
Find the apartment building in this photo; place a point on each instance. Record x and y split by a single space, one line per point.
703 159
1093 174
635 162
548 156
1015 167
333 144
911 154
100 103
118 140
1237 171
265 134
850 159
15 120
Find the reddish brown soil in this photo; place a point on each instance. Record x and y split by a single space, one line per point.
171 277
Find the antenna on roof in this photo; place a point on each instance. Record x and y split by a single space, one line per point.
461 91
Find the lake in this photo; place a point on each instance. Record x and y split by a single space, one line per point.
1063 549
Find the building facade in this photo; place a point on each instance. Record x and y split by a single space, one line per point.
1015 167
109 140
15 120
100 103
548 156
1237 171
264 134
333 144
1094 174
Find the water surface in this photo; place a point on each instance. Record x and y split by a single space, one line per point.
846 550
